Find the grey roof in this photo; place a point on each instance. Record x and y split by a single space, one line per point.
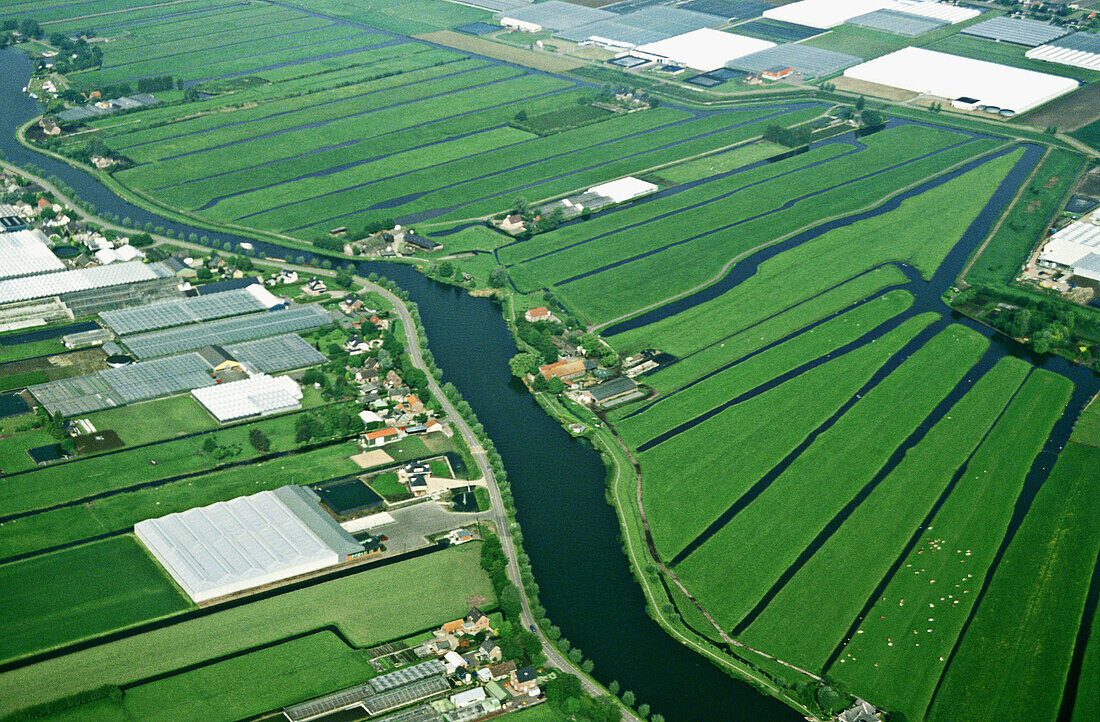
497 5
646 25
124 385
127 103
277 353
81 279
728 9
226 331
1015 30
1089 266
614 387
145 98
898 23
807 61
75 115
306 505
557 15
182 311
616 30
1085 42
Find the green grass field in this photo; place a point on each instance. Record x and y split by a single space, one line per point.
418 594
176 416
770 532
720 162
893 657
861 551
1027 219
82 592
1037 592
1087 703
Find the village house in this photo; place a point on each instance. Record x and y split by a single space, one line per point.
489 651
350 304
513 224
288 276
381 437
314 287
523 680
503 670
380 323
542 313
356 346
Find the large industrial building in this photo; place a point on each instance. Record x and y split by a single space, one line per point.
1081 50
26 253
1074 249
231 546
196 309
825 14
87 291
703 49
967 82
258 395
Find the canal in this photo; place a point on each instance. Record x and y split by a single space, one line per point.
570 532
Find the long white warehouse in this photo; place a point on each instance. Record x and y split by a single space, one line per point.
972 82
228 547
704 49
827 14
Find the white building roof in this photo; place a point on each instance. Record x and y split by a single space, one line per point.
1065 56
1071 244
234 545
264 296
26 253
703 49
368 522
826 14
129 253
260 394
81 279
953 76
468 697
624 189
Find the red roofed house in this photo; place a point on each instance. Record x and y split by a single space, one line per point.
777 73
381 437
562 369
542 313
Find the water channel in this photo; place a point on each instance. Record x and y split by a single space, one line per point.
570 532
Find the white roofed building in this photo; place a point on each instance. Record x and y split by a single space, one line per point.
624 189
255 396
704 49
26 253
974 83
247 542
827 14
1075 248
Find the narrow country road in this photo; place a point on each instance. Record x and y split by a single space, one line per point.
497 515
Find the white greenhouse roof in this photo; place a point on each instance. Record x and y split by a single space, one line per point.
230 546
1081 50
1071 244
255 396
953 76
624 189
26 253
81 279
704 49
826 14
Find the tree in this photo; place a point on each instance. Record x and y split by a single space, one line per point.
259 440
555 385
209 444
861 102
613 688
524 363
204 274
344 279
446 269
498 277
628 698
872 118
643 710
588 665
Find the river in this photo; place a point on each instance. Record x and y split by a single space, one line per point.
570 532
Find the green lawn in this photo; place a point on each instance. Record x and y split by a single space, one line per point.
1087 428
1008 54
894 658
1087 704
688 481
174 416
860 552
1089 134
769 534
721 162
369 607
1037 593
82 592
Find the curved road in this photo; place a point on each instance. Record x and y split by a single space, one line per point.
497 515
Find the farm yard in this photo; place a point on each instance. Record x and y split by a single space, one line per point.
839 472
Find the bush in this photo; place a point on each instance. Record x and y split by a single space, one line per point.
259 440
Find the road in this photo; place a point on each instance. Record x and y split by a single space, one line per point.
496 515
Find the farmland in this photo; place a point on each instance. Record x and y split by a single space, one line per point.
62 597
420 593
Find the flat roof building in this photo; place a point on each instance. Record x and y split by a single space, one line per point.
704 49
981 83
247 542
26 253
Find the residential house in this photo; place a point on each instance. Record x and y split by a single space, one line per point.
381 437
356 346
288 276
513 224
542 313
452 661
381 324
489 651
50 126
350 304
411 404
314 287
468 697
393 380
523 680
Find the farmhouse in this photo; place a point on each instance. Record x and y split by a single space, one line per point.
563 370
381 437
542 313
247 542
776 72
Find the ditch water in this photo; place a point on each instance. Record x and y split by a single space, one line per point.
570 532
